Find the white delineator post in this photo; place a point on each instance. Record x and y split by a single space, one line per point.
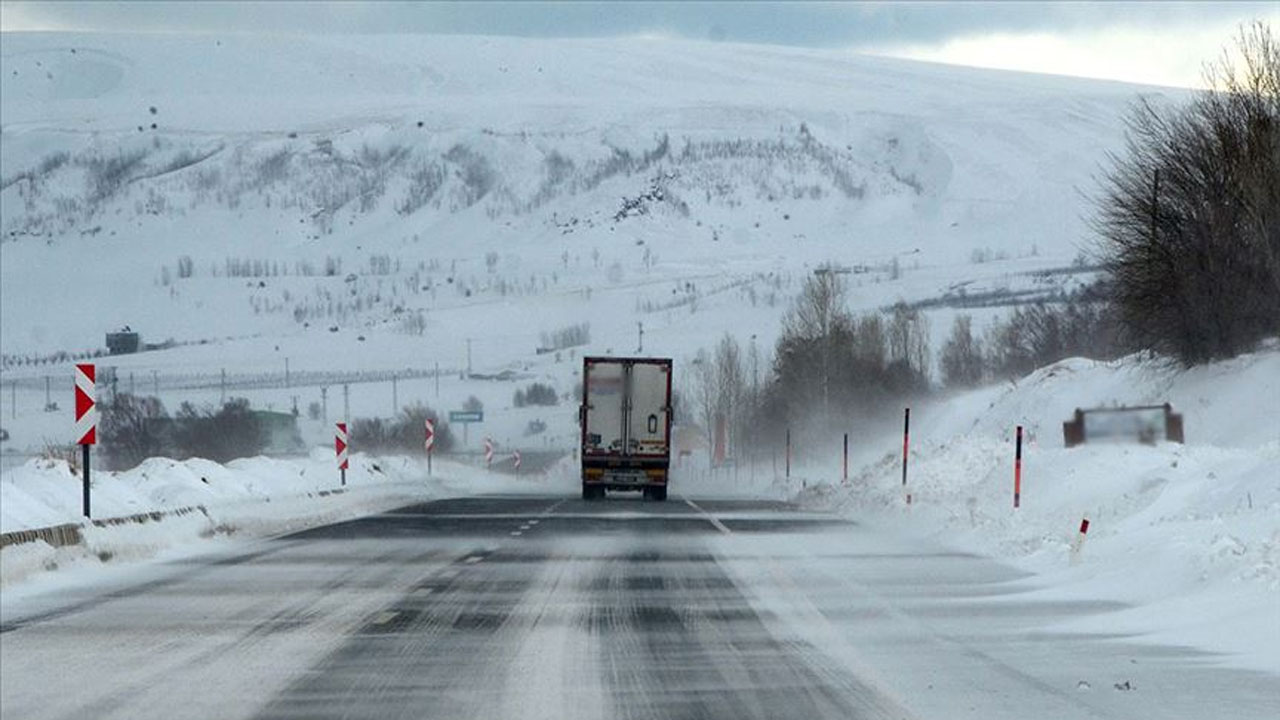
488 452
1077 547
429 441
86 420
515 459
340 448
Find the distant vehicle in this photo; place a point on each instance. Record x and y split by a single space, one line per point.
626 426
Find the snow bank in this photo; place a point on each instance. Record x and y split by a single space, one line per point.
254 497
1189 535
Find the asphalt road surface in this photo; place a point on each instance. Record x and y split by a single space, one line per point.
549 607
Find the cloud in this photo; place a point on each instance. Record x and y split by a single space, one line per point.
1154 56
1162 42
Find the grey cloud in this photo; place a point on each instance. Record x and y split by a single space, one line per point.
798 24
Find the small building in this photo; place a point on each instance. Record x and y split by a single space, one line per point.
123 342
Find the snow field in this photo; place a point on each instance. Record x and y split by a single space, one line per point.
1189 535
249 498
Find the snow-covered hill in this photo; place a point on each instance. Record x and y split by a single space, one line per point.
371 203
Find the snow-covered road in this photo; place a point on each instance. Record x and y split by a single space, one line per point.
549 607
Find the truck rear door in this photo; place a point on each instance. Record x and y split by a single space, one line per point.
647 409
604 390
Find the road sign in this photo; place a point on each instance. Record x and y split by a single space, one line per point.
340 445
466 416
488 452
86 407
515 457
431 434
86 423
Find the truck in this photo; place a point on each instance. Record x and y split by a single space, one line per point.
626 426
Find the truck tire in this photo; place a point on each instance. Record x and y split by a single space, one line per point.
657 493
592 492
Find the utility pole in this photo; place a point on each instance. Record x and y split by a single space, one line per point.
1155 202
468 357
437 379
13 399
223 399
155 382
395 397
346 402
286 373
47 399
640 330
324 404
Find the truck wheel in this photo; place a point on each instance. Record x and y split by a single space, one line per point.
657 493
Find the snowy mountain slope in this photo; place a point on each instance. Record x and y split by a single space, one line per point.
357 204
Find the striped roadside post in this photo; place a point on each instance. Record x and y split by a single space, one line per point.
86 419
340 448
430 442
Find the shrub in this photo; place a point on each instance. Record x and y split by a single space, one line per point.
536 394
403 434
132 429
232 431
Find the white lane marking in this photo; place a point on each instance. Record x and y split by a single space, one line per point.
385 617
473 559
516 533
533 522
710 518
449 572
424 591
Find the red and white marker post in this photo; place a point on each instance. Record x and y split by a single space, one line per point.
340 448
515 461
1017 470
430 440
1077 547
845 474
86 420
906 446
488 452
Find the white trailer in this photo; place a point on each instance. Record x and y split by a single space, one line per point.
626 425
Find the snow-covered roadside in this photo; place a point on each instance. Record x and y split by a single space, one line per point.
250 498
1188 535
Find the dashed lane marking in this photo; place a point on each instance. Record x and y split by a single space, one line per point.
474 559
710 518
385 617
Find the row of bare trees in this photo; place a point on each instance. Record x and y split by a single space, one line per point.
1189 214
830 368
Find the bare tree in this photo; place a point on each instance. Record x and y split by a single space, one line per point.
909 339
817 318
962 355
703 391
731 387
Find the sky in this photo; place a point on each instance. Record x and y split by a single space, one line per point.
1162 43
